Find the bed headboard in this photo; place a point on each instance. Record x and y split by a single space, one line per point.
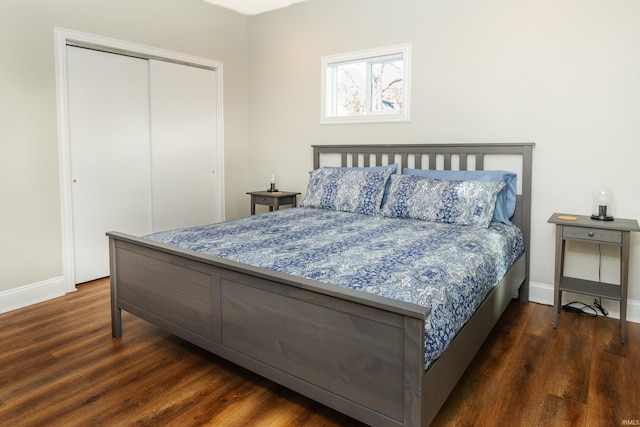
448 157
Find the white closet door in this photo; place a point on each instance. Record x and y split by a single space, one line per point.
184 145
109 145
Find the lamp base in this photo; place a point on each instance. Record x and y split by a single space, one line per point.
602 217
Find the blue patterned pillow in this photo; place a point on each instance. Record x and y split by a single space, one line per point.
506 200
346 190
452 202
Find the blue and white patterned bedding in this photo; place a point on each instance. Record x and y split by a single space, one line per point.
448 268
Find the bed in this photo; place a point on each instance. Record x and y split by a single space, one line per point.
361 353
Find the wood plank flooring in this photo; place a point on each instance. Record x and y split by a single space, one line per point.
59 366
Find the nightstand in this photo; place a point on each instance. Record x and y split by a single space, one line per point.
273 199
585 229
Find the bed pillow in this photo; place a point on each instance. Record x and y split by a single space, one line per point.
453 202
393 167
346 189
506 200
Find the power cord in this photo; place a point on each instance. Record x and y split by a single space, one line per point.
599 263
597 303
589 310
600 307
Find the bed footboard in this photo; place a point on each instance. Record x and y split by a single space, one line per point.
359 354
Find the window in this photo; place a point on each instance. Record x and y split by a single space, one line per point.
366 86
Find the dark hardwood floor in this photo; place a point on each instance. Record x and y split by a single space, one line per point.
59 366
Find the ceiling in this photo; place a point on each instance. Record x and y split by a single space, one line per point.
253 7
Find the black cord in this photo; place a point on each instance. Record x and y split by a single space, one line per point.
600 307
583 308
597 303
589 310
599 263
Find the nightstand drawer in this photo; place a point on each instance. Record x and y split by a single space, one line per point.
259 200
596 235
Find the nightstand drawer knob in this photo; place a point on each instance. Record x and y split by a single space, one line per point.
591 234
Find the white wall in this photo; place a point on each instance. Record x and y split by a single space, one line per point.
31 250
563 74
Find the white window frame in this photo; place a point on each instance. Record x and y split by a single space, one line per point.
371 55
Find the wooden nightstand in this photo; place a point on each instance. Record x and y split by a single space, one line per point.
585 229
272 199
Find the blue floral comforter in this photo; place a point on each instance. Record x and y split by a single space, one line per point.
448 268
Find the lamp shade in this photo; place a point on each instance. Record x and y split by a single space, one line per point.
272 182
602 204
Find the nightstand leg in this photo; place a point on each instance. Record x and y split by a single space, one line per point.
624 284
559 268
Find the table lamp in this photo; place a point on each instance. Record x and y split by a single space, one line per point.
272 183
603 204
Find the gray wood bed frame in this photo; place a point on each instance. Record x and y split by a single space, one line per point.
360 354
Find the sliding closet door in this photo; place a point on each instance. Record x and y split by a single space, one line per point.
108 100
184 145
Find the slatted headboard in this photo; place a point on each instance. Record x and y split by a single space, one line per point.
447 157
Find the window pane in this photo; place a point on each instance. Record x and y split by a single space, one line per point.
350 89
386 86
366 86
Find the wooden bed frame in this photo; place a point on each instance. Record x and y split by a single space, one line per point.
360 354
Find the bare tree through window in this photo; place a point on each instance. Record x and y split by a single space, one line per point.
366 86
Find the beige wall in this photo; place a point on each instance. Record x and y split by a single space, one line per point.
563 74
31 250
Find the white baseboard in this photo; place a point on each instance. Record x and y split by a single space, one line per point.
543 294
34 293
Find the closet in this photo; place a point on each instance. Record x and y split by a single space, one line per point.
142 147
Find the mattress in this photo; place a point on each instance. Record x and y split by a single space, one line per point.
447 268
